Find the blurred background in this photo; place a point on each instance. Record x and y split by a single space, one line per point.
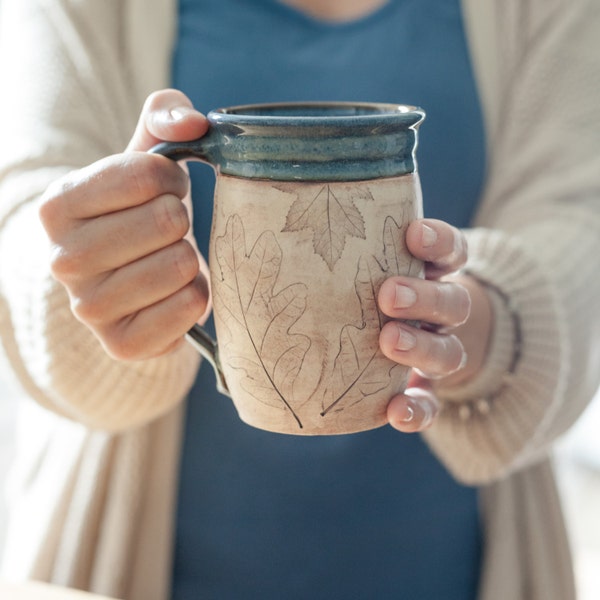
578 467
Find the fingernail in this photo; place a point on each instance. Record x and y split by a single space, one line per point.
429 236
405 297
180 112
464 357
430 375
427 415
463 361
406 340
409 414
425 406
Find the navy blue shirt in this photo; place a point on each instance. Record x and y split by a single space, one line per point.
368 515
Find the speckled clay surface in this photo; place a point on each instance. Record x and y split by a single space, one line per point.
311 208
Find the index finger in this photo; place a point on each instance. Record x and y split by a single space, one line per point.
440 245
116 183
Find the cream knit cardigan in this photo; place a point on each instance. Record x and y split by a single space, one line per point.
94 485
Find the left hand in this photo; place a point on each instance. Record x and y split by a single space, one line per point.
455 317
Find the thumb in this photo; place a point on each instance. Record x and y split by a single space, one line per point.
167 115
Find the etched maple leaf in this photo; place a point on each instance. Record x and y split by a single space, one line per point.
360 368
331 215
247 303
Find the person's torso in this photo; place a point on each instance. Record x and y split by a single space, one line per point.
369 515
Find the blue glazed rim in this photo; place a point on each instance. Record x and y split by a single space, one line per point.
307 141
318 114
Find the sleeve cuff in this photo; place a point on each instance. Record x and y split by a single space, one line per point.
496 422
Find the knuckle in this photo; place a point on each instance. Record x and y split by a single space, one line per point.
443 357
90 307
170 217
47 213
144 176
124 342
61 187
193 300
185 261
151 175
66 264
51 208
48 203
463 299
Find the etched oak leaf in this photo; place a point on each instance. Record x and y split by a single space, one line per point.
331 215
247 303
360 368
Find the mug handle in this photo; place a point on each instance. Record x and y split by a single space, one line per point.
196 336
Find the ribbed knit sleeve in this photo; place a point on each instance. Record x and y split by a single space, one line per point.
68 99
536 247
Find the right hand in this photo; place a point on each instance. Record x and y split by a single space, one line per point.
121 238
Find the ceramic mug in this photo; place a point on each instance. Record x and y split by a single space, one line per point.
311 205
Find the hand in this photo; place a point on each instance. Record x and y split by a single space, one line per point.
455 316
121 238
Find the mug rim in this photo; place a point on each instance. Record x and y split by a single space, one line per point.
409 115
